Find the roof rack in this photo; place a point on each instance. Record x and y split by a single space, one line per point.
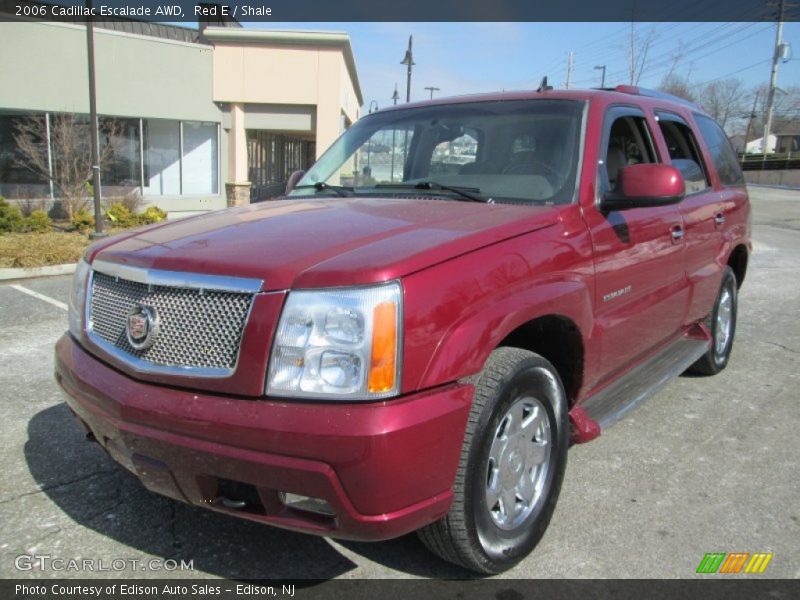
639 91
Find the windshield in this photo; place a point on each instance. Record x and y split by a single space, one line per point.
515 150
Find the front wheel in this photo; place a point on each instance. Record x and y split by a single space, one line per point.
511 468
722 323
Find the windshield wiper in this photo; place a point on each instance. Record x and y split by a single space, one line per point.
464 193
321 186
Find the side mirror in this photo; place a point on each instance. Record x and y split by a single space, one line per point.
645 185
293 179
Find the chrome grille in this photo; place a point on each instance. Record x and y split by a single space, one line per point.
199 329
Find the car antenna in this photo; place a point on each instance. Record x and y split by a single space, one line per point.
543 87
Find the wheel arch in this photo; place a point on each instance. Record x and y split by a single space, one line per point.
558 339
737 260
557 335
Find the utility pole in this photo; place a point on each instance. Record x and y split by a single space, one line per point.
409 61
750 122
773 80
98 213
569 69
432 89
632 57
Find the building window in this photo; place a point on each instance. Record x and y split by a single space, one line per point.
120 146
199 167
17 181
162 157
157 157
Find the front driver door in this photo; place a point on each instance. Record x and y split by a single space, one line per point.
641 291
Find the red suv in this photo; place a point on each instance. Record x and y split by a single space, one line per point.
412 338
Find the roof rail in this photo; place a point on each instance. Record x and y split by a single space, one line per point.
639 91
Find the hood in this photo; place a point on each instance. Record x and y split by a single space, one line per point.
308 243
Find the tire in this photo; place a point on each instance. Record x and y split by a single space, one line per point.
722 324
523 465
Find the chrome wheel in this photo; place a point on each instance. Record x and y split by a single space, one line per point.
724 321
518 462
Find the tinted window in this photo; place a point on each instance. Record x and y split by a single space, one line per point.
684 154
722 154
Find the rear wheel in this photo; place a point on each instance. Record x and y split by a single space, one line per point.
511 468
722 323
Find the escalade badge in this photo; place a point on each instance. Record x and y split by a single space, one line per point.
142 327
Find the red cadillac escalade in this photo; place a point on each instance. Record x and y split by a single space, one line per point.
412 337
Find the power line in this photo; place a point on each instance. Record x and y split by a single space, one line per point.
755 64
663 66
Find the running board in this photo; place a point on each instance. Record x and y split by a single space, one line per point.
644 381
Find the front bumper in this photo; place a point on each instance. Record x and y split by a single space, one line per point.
385 468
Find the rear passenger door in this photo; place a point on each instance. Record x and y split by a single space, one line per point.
640 284
733 212
700 209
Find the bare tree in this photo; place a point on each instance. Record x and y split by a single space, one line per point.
640 44
724 99
676 59
677 86
68 164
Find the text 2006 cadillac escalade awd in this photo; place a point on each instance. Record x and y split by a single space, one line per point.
450 296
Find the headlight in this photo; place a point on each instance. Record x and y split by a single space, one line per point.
339 344
77 299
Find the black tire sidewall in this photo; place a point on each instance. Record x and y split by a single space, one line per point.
499 548
720 359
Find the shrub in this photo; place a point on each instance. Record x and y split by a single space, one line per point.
130 200
121 216
153 214
82 220
28 205
38 221
10 216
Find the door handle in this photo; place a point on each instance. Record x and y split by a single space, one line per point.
719 219
677 233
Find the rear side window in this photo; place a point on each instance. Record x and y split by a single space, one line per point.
684 153
722 154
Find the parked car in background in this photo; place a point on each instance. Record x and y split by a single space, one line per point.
411 340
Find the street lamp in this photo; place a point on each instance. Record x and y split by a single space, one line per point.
395 96
375 102
98 212
603 80
408 60
432 89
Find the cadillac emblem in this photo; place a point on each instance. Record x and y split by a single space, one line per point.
142 327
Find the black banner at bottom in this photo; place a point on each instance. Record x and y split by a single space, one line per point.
400 589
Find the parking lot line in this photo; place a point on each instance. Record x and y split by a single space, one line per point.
47 299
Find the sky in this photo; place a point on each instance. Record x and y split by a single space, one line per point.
463 58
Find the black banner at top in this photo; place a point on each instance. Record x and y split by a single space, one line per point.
217 12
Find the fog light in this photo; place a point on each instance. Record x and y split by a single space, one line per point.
308 504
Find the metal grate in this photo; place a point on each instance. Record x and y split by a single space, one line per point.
198 328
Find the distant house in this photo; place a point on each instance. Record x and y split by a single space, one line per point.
788 140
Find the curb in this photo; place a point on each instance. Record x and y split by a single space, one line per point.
48 271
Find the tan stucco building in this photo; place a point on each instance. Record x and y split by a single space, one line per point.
300 84
210 117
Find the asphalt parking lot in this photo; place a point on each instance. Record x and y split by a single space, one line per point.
708 465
